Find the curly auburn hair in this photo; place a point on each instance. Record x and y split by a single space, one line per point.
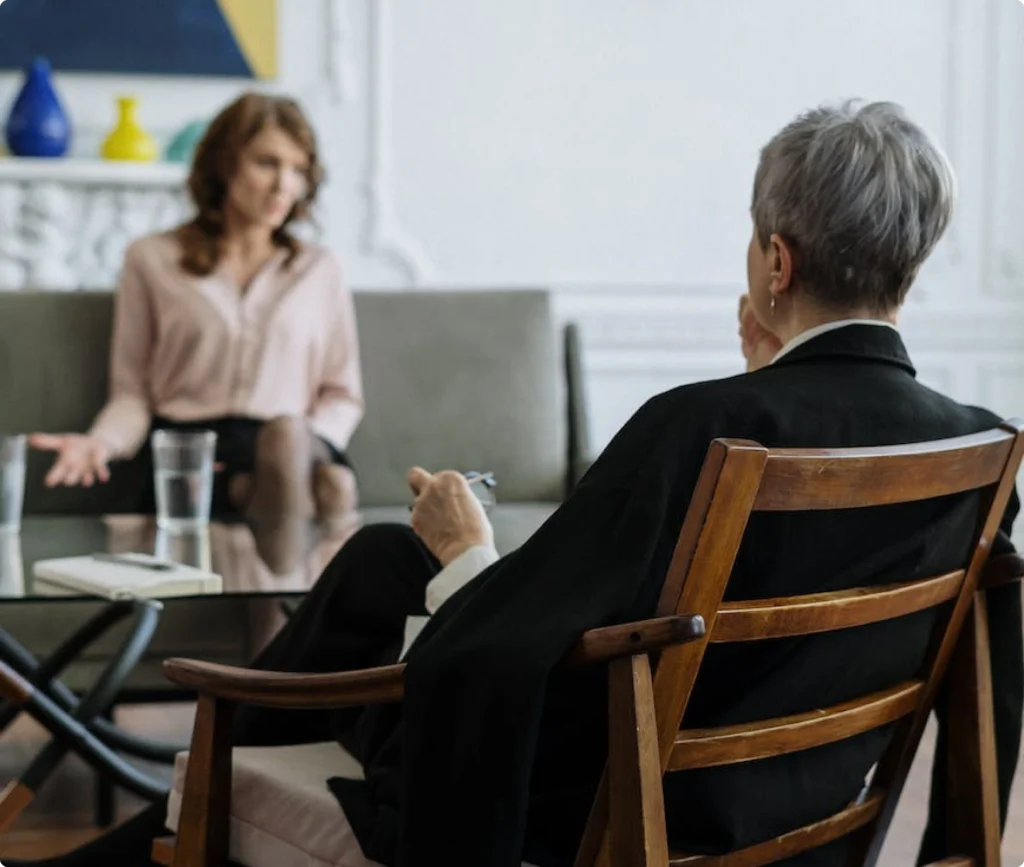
215 162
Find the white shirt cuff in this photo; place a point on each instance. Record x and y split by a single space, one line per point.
457 574
446 583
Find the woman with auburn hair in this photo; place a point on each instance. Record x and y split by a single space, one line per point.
230 323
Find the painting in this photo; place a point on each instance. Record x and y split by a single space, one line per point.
236 38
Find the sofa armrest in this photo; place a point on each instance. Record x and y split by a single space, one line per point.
579 457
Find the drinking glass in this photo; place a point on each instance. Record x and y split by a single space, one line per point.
12 481
183 477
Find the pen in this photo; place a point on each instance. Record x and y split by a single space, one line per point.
123 560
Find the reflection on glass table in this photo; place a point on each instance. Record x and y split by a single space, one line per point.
275 556
259 560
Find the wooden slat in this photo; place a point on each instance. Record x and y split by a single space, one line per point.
788 616
636 828
829 479
727 745
892 769
972 793
954 862
809 837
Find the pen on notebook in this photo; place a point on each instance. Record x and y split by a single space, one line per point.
124 560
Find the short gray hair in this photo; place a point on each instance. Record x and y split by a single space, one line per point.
862 193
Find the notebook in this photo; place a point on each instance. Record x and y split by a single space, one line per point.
124 576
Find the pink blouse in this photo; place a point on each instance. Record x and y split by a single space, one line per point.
193 348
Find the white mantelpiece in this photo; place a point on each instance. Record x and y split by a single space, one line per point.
64 224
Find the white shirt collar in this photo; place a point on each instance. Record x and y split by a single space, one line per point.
811 333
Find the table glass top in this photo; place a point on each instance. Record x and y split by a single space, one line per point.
272 557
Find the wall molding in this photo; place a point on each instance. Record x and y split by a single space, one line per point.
338 40
383 235
689 318
1003 268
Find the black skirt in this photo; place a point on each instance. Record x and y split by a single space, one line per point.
235 452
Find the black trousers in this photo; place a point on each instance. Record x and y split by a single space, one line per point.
354 617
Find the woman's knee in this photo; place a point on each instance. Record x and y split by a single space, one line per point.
282 441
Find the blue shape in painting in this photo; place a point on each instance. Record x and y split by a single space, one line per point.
158 37
37 125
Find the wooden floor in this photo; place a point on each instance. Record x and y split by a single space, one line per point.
60 819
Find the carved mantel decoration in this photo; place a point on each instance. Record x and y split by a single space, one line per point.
65 224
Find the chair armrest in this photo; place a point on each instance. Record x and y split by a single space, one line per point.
286 689
1001 570
384 685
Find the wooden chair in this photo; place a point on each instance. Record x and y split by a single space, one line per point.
627 822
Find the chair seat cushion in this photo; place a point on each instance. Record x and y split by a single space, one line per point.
513 523
282 813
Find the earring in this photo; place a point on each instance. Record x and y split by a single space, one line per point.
773 305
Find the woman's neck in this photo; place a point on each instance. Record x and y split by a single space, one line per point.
245 240
244 250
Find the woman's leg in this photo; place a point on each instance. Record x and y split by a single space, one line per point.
294 471
354 617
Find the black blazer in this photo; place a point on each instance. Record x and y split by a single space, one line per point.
494 757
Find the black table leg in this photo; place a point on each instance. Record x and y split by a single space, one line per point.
42 675
106 794
77 724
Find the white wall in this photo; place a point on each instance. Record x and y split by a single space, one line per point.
605 148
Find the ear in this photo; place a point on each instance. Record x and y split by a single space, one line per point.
781 265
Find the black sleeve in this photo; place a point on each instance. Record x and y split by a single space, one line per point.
476 677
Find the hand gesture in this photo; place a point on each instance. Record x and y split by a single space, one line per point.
446 514
758 343
80 459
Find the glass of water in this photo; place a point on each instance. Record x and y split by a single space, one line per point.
12 481
189 547
183 477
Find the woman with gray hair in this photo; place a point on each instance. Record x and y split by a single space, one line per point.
493 758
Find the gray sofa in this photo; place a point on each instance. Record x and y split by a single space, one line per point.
463 379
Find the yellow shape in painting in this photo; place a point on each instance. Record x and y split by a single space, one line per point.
254 24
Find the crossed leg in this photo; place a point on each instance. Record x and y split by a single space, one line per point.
294 473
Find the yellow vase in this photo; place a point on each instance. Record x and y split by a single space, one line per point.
128 140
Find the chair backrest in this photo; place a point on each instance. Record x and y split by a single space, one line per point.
740 478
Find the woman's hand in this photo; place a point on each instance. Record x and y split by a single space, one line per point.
446 514
81 459
758 343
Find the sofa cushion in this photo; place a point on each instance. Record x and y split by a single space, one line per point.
282 813
463 380
513 523
460 380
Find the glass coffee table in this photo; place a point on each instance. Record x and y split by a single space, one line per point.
268 558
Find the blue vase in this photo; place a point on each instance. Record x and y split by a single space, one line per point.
37 125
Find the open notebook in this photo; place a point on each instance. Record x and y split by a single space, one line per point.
124 576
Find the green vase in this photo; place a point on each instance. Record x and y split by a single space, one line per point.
184 143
